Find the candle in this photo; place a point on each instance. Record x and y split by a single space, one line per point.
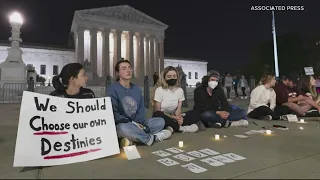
217 137
301 128
180 144
268 131
302 120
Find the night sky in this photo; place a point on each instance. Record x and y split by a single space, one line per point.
222 32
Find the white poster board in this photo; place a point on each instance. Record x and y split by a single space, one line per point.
309 71
56 131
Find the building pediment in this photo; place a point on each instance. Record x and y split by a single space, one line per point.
122 13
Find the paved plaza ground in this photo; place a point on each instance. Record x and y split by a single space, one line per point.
294 153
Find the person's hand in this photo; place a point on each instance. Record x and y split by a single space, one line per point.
302 98
223 114
179 119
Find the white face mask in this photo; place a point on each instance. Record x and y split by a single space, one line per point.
213 84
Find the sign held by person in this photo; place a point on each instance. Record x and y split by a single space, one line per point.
57 131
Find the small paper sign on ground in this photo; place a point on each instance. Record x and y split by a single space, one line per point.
194 168
223 159
209 152
292 118
161 153
183 157
212 162
131 152
197 154
241 136
168 162
234 156
175 150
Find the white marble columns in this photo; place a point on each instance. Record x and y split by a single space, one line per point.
144 51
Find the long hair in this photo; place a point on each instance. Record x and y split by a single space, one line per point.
304 85
61 81
162 82
117 66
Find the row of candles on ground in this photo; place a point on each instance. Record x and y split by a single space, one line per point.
217 136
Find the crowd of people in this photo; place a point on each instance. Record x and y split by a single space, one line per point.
211 106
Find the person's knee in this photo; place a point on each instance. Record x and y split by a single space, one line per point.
124 130
158 114
207 116
156 122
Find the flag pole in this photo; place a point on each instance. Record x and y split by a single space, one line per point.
276 67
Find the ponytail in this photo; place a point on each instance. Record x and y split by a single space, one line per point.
57 84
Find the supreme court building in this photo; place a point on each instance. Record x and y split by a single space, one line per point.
103 36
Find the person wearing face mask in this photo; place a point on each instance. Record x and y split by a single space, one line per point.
166 100
212 105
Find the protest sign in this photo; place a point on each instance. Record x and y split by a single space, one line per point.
56 131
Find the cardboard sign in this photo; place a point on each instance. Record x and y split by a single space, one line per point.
56 131
292 118
309 71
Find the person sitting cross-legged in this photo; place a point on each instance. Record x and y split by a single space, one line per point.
212 105
167 100
288 95
263 100
129 111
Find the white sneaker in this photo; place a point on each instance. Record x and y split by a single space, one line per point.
162 135
189 129
170 129
229 100
239 123
268 117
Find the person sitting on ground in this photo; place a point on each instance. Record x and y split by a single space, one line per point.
288 95
263 100
307 85
212 105
70 83
166 100
243 84
129 111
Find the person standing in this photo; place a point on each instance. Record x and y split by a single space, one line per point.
243 84
155 78
235 85
228 84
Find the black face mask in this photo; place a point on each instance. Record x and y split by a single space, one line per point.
171 82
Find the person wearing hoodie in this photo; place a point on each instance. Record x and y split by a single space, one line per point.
212 105
228 84
129 111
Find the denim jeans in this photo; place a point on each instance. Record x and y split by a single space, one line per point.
134 134
210 117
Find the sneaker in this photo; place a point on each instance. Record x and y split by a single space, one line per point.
268 117
170 129
189 129
284 117
124 142
239 123
229 100
201 126
162 135
216 125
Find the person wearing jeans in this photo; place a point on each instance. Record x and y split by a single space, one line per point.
211 103
243 84
167 101
228 84
129 111
263 100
